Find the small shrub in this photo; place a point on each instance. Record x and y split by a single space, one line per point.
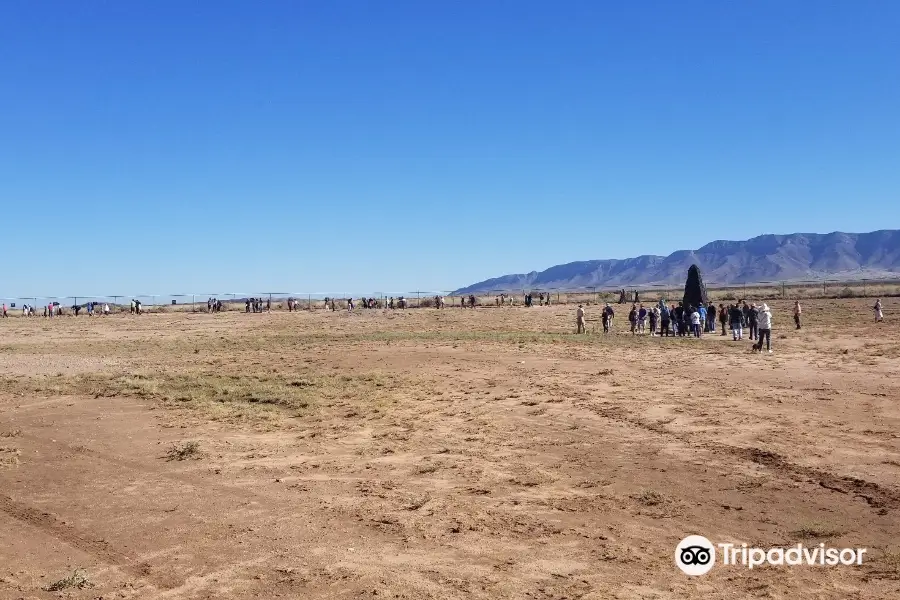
847 293
815 530
184 451
77 580
650 498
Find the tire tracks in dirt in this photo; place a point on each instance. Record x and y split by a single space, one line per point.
164 585
879 498
49 524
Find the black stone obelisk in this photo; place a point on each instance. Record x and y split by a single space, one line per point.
694 290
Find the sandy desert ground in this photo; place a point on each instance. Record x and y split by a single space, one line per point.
487 453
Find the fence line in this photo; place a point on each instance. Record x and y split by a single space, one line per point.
846 287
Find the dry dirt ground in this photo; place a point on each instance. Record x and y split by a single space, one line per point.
487 453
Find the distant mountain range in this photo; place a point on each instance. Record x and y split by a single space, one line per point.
792 257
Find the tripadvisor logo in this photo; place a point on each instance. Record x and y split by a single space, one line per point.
695 555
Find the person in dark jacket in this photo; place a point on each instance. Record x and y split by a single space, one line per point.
678 319
753 321
736 316
665 319
607 316
711 317
723 318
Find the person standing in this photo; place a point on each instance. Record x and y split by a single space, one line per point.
723 318
736 316
642 319
654 320
765 328
579 320
711 317
607 316
677 316
797 312
665 319
879 314
5 316
695 321
704 324
632 318
106 310
753 321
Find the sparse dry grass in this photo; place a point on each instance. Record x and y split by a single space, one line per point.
77 580
815 531
886 566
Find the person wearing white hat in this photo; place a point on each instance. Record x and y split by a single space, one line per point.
765 328
579 319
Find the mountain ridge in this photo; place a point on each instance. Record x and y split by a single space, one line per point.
767 257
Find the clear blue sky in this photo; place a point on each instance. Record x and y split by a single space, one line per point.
171 146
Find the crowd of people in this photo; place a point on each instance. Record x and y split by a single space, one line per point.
693 321
689 321
257 305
